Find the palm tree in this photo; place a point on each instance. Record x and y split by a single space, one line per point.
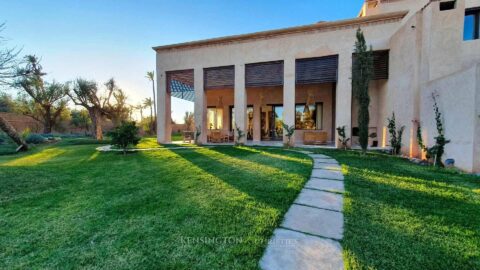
140 108
151 77
148 102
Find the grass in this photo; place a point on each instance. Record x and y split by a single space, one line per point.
399 215
177 137
69 206
7 146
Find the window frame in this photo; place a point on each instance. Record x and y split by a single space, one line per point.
476 24
316 120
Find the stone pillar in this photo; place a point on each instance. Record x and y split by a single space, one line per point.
343 107
289 95
164 114
257 125
240 101
200 106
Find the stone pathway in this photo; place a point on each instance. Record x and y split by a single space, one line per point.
309 235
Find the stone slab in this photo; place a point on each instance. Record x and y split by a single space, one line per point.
327 166
314 221
325 184
321 199
325 161
327 174
319 156
288 250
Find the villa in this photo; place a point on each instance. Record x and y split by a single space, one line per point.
302 76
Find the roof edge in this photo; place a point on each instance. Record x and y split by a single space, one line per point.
284 31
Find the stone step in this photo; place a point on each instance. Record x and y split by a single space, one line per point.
327 174
319 156
325 184
320 199
324 223
327 166
289 250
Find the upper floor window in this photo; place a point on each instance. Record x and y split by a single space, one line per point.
471 29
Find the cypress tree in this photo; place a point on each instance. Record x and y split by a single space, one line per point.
362 72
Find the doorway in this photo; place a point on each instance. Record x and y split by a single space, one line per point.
271 117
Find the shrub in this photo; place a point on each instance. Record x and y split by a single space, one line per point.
289 131
240 135
436 151
395 135
35 139
342 137
26 132
124 135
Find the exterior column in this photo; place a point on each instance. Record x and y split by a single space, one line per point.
240 101
289 95
164 114
200 106
343 107
257 125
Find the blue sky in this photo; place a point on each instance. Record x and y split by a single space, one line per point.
99 39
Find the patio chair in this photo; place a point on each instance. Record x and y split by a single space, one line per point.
216 137
188 136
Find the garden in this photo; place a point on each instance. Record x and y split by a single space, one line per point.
64 204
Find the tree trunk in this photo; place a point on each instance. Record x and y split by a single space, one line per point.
12 133
96 117
151 120
154 126
47 121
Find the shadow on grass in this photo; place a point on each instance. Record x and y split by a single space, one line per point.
267 184
399 215
89 209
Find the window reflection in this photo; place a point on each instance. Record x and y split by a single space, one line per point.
309 117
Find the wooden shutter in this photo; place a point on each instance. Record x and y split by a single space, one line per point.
317 70
380 65
219 77
264 74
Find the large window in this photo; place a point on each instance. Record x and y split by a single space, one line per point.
215 118
309 116
249 121
471 29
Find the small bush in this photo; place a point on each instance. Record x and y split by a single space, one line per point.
124 135
25 133
342 137
395 135
35 139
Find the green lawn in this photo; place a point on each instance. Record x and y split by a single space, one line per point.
66 205
403 216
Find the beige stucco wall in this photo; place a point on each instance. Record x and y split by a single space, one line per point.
457 100
427 52
288 48
396 5
376 92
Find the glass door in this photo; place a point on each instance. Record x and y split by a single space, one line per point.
271 117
